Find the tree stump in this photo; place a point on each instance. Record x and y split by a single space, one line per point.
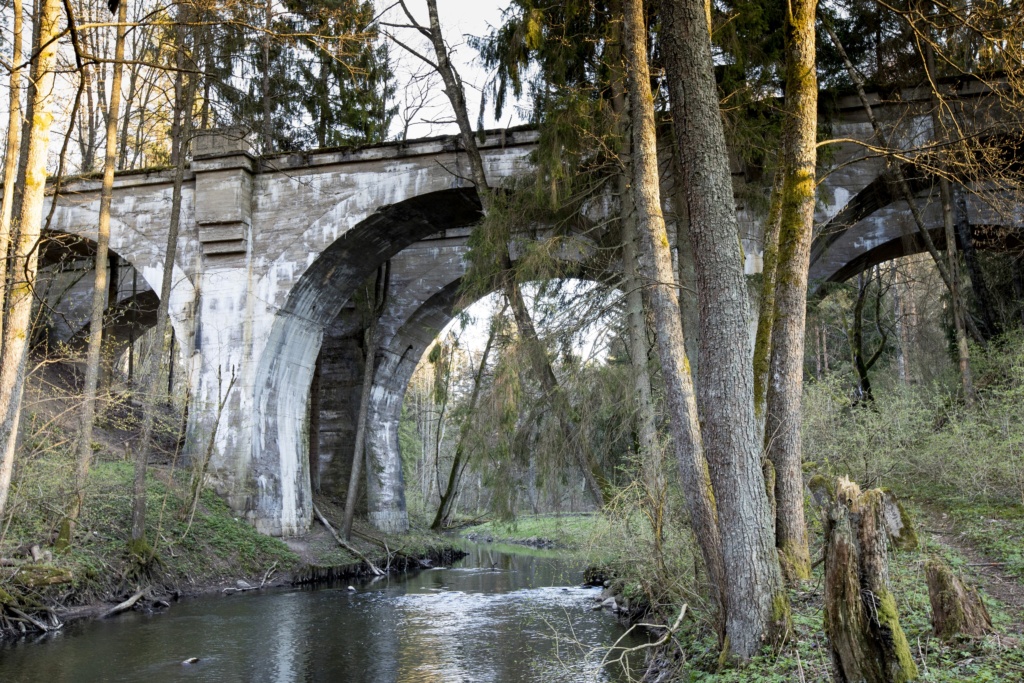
957 609
861 619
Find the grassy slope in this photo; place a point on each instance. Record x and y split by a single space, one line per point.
215 548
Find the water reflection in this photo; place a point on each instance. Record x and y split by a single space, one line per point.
497 617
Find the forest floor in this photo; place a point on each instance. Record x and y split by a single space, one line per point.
983 544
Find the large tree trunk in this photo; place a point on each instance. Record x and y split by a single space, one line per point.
650 452
758 608
13 146
786 378
100 287
184 96
14 350
656 271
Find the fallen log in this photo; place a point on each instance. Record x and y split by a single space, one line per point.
124 606
347 546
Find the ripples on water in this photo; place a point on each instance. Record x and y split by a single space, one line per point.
498 616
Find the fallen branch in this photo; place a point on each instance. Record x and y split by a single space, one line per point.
323 520
124 606
35 622
267 574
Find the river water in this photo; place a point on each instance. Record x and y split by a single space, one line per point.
503 614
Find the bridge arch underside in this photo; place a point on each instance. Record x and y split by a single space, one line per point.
279 499
65 290
320 333
874 227
395 361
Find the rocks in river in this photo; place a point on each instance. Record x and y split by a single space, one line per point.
190 660
351 589
243 585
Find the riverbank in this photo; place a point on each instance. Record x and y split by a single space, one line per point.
44 585
566 532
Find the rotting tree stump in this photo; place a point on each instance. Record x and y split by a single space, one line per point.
957 609
861 619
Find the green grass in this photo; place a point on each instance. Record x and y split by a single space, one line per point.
568 531
217 545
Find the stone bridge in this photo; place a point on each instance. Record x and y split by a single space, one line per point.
272 250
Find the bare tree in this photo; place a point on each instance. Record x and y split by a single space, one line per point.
25 251
100 287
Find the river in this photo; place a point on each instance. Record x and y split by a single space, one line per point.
504 614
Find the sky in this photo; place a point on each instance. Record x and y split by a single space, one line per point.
459 19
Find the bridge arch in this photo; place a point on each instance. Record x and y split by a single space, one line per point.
281 502
135 248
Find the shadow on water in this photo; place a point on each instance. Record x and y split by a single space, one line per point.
503 614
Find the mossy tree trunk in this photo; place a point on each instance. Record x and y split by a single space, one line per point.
757 606
14 122
861 619
796 224
657 273
24 250
100 286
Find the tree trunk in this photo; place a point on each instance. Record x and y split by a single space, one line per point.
444 509
861 619
13 147
184 96
377 304
758 609
650 452
656 270
25 253
100 287
796 226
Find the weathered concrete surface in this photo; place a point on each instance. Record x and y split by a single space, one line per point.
272 250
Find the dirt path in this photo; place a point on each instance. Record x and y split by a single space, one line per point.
980 568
